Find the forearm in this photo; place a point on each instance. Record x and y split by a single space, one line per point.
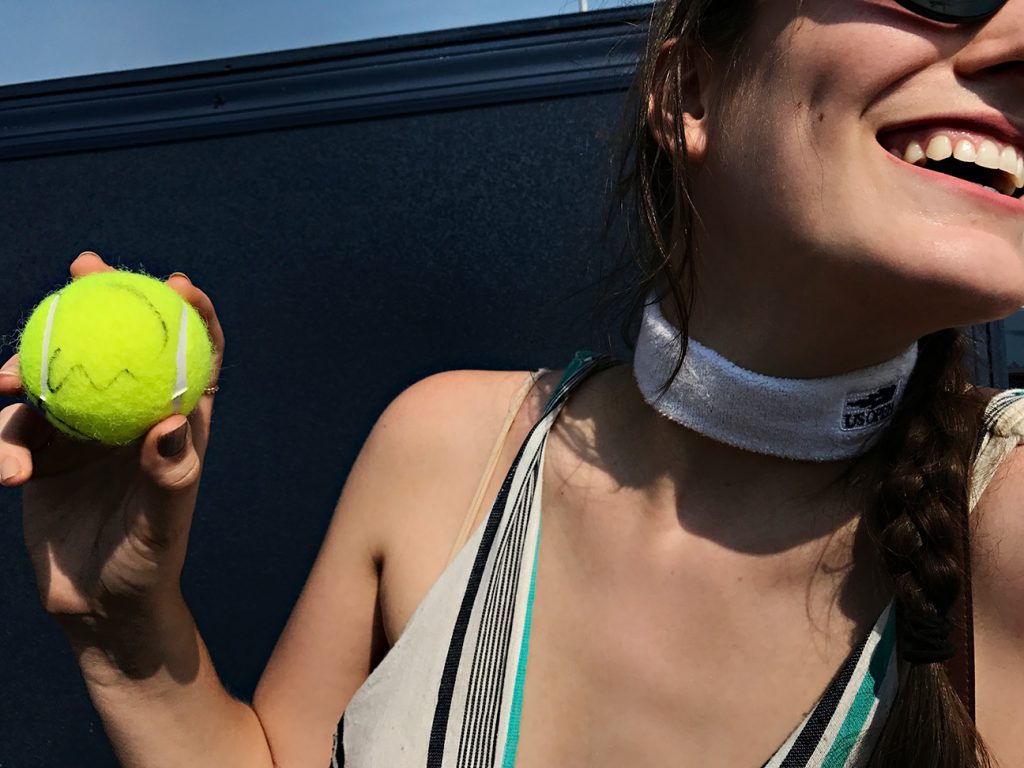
154 685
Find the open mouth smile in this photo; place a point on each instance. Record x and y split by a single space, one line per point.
963 154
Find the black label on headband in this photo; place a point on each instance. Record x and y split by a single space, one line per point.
867 409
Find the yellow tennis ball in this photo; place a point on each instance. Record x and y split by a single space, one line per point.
113 353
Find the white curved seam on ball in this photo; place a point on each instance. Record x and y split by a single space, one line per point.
44 365
181 373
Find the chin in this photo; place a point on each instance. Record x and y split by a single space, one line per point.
939 273
979 282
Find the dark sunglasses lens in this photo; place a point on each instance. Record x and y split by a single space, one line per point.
954 10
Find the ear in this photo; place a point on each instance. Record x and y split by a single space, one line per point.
683 71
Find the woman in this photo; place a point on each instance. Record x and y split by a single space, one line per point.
723 551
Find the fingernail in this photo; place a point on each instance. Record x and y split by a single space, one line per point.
9 468
179 274
173 443
10 368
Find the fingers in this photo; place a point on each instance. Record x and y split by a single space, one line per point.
86 263
30 446
169 457
198 299
10 379
22 430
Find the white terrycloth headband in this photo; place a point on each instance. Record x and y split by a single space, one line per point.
827 419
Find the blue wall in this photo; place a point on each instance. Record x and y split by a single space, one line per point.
346 259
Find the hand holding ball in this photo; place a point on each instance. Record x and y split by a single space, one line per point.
113 353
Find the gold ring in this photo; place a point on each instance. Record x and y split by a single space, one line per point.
211 390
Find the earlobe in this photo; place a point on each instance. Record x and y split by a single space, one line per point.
676 103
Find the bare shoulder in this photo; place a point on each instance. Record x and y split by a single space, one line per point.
432 441
448 414
416 477
461 403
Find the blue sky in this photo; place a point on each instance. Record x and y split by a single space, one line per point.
44 39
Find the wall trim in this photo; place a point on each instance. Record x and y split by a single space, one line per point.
453 69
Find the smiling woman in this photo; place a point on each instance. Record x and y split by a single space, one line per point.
819 253
973 132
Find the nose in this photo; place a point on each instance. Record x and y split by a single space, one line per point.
997 47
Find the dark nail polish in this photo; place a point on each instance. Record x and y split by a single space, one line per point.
173 443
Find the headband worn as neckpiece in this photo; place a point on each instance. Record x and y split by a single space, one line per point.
824 419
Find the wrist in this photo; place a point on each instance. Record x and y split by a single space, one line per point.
134 643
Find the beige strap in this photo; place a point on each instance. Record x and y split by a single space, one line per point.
469 523
997 444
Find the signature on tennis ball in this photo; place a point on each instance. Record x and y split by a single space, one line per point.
112 353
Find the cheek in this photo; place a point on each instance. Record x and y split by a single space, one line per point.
835 73
797 170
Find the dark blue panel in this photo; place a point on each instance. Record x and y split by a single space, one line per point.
346 261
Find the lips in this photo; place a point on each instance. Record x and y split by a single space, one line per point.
992 124
987 158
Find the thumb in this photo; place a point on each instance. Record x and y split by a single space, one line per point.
169 457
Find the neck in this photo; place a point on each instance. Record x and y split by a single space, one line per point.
781 503
721 492
805 339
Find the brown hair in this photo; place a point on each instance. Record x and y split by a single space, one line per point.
920 469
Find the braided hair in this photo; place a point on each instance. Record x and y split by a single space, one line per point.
921 475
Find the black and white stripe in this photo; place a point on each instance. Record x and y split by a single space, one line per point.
490 658
479 733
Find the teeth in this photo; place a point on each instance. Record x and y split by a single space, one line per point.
965 151
988 155
1008 161
940 147
914 154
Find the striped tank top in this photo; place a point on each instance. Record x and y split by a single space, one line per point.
449 692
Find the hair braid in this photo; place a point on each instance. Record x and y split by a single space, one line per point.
921 472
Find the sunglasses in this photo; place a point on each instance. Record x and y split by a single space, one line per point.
953 10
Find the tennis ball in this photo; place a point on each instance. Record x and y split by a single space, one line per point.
113 353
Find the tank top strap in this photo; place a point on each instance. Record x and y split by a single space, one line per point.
582 365
1003 430
476 713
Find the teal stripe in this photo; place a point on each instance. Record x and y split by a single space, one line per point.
581 359
512 737
866 696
